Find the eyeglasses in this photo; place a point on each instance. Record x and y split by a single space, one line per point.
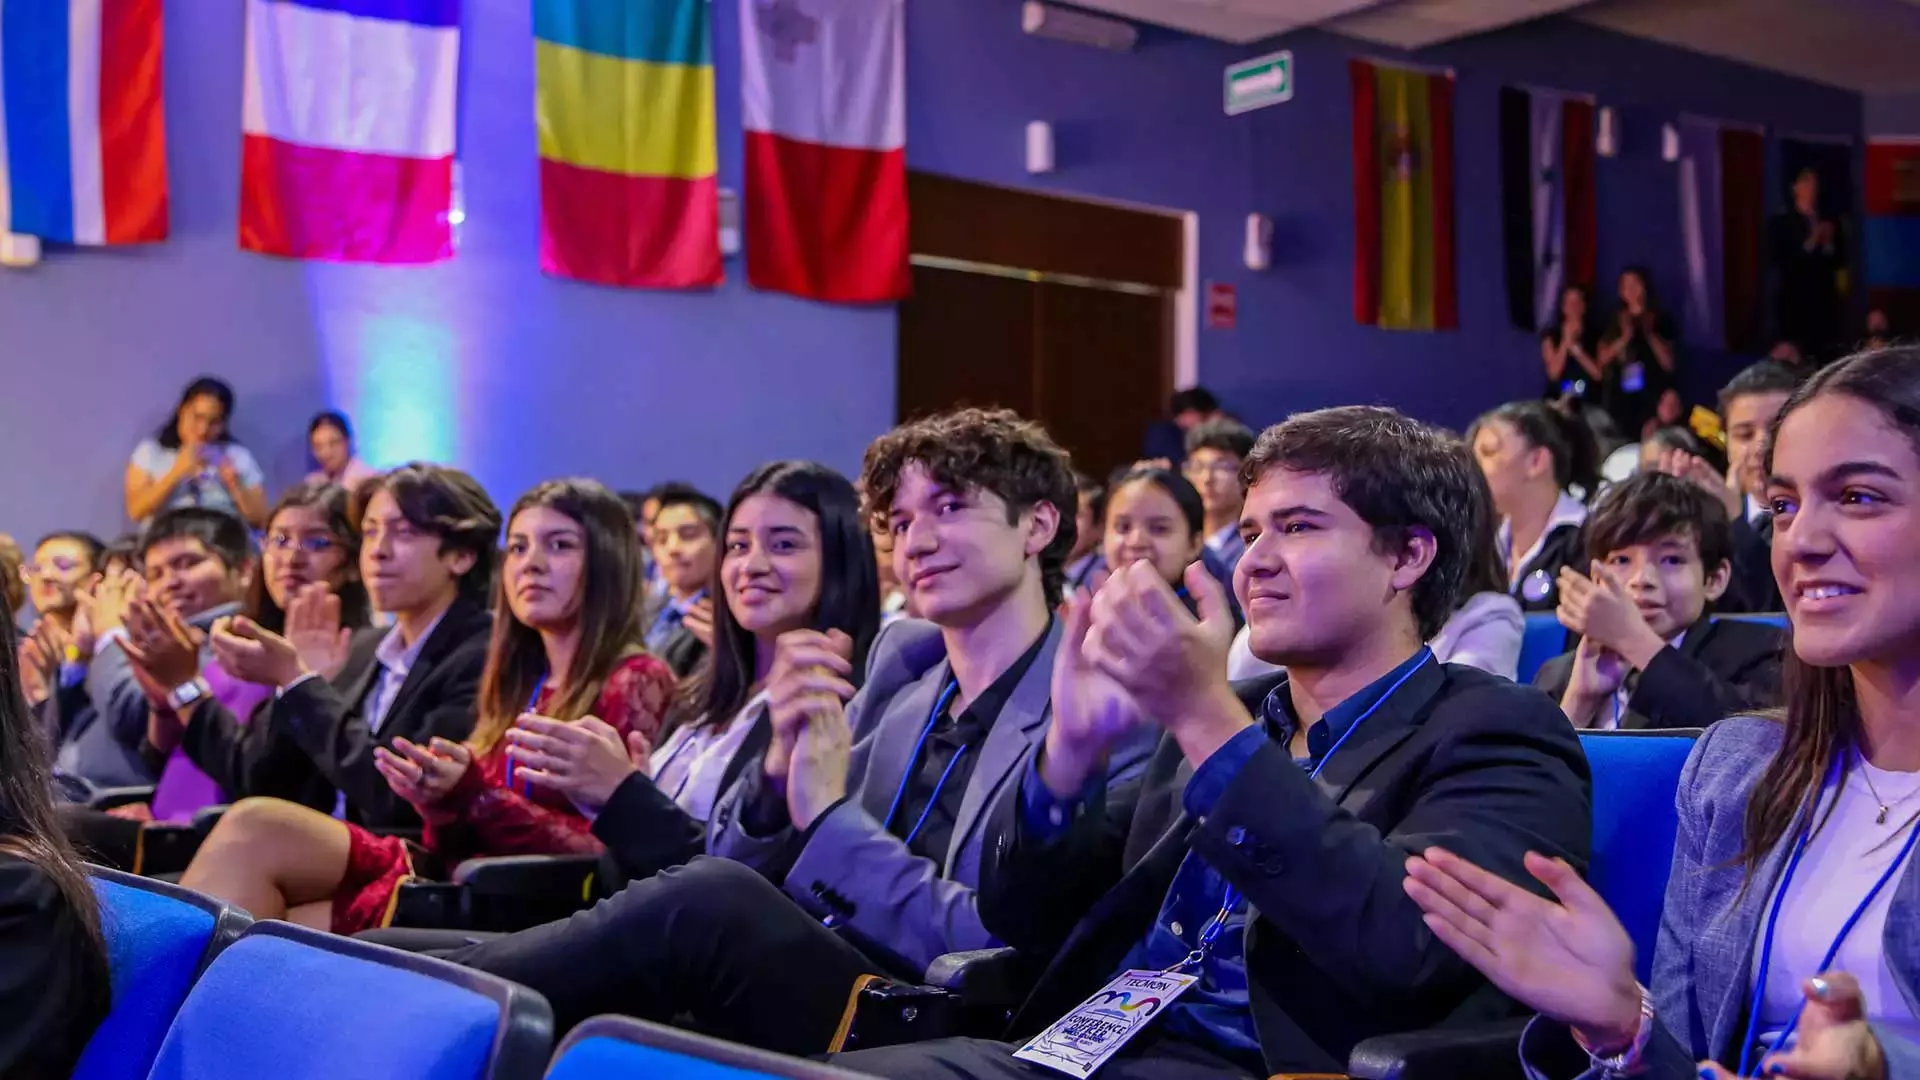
312 545
59 564
1219 468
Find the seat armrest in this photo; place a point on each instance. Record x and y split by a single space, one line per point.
1489 1051
165 848
109 798
531 875
982 977
207 817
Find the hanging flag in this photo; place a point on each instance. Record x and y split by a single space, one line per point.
1722 229
348 123
1403 198
83 145
824 103
1550 224
1892 233
1743 224
624 103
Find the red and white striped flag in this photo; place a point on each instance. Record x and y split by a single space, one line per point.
824 99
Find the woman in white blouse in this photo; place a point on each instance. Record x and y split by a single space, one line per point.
1787 942
796 555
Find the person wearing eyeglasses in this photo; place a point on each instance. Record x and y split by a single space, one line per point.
1215 451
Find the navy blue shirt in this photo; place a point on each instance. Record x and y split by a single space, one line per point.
1215 1012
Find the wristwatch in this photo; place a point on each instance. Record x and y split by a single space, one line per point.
1627 1061
187 693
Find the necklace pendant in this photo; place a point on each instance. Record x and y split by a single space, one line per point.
1882 819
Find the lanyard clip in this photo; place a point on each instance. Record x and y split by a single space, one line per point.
1193 960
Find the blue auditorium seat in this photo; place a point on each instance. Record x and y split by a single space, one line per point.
288 1003
1636 775
621 1048
1543 639
159 938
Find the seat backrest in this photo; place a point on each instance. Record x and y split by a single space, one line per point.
1636 775
1543 639
288 1003
621 1048
159 938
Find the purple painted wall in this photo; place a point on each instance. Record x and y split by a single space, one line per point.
485 362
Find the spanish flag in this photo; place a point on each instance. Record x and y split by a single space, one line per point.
1403 198
624 104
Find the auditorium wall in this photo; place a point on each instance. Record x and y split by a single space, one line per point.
484 362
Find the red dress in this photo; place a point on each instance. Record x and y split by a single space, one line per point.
481 816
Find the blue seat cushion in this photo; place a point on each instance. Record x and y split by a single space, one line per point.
154 947
1635 779
272 1009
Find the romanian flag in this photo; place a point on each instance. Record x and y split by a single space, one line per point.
624 103
1403 198
83 154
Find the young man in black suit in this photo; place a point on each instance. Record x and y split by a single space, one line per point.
429 540
1649 656
1263 851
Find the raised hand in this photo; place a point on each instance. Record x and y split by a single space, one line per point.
585 760
162 648
1610 617
313 627
1571 960
37 677
1689 467
1092 712
111 598
257 655
1835 1042
822 755
1596 676
699 621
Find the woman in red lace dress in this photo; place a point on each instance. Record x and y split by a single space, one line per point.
566 646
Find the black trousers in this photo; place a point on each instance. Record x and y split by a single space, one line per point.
712 941
983 1059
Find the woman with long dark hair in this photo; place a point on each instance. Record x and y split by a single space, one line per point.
194 461
1786 943
1569 347
330 452
796 555
1533 457
1639 355
54 985
565 646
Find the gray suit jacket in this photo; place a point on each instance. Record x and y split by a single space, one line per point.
1703 963
852 871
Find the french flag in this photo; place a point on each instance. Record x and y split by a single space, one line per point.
349 127
824 104
83 143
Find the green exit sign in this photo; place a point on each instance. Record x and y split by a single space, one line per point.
1260 82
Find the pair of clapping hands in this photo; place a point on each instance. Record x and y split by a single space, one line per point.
1615 637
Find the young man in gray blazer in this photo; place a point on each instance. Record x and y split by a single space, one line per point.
854 845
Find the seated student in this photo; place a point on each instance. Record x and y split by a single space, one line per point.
872 818
1484 632
1215 450
1289 802
58 578
426 557
796 557
54 982
1649 655
1089 530
1790 909
310 543
1663 442
685 543
1155 516
193 460
566 645
1531 454
196 563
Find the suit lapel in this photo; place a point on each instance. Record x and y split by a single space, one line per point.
357 681
1376 735
1736 987
1021 726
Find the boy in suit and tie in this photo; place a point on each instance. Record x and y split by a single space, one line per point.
852 847
1262 851
1649 656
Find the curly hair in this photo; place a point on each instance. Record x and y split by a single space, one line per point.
991 450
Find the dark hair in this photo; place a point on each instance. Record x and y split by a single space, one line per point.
1651 505
1558 320
1226 436
222 534
331 500
611 593
1645 275
94 545
1398 475
1092 494
334 419
1487 569
635 502
1565 438
121 548
849 598
1822 714
1178 488
1193 399
704 506
991 450
1765 377
205 386
13 588
31 831
449 504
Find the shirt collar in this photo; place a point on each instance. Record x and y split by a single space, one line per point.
1222 540
681 607
399 658
985 709
1567 510
1323 734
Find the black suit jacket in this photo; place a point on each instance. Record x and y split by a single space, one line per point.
645 831
315 741
50 998
1566 545
1336 951
1753 587
1722 667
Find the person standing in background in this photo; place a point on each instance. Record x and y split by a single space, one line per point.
331 452
193 461
1809 254
1639 357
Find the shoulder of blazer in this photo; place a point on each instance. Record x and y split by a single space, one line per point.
1475 701
1253 692
465 627
1727 762
904 650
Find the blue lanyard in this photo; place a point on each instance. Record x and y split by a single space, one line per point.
913 766
1217 925
531 702
1773 916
